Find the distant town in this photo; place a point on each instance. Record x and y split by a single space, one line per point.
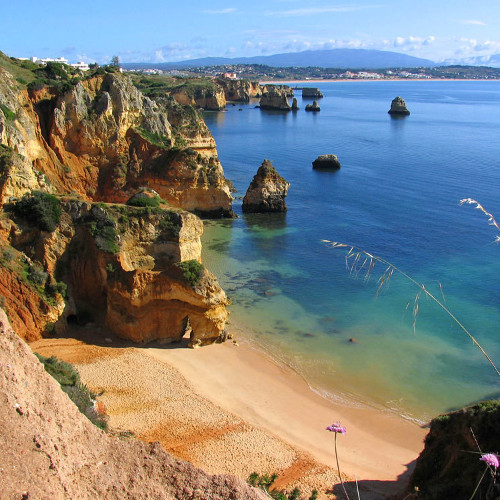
260 72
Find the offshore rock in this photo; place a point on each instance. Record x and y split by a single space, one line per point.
295 106
326 162
398 107
311 93
275 98
313 107
267 191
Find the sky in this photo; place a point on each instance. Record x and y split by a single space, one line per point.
165 30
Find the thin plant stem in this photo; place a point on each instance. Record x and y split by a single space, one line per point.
353 250
479 482
338 468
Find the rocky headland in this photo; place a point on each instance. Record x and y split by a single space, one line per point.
71 154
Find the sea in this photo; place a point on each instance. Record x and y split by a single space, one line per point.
396 199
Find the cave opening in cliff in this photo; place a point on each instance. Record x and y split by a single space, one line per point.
80 319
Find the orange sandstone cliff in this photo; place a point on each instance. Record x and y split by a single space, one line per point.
94 144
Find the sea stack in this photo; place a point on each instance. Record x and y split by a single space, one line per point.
398 107
267 191
295 106
313 107
326 162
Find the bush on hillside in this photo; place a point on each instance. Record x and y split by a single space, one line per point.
41 209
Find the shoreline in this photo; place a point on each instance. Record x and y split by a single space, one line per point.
357 80
232 408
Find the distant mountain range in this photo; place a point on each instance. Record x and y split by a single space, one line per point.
333 58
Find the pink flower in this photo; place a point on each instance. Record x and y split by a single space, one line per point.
337 427
491 459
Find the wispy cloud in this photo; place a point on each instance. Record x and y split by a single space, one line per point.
310 11
229 10
473 22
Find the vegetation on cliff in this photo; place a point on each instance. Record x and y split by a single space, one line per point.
82 396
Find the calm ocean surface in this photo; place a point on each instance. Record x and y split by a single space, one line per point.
396 196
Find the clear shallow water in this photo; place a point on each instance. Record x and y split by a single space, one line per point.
396 196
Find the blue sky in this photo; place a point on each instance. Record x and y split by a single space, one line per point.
162 30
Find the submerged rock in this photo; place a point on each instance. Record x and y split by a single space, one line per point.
313 107
398 107
267 191
326 162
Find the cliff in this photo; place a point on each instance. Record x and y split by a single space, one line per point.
211 97
102 139
449 467
239 90
48 449
267 191
72 257
136 270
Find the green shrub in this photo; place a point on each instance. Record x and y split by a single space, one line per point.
144 201
192 271
10 116
40 209
69 379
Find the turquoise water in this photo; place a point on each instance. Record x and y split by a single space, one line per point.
396 196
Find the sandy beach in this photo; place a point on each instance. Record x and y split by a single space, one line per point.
230 408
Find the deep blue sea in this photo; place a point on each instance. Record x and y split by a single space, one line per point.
396 196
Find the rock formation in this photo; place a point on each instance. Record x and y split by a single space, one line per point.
48 449
239 90
211 98
398 107
267 191
136 269
295 106
313 107
326 162
449 467
311 93
274 98
122 268
102 139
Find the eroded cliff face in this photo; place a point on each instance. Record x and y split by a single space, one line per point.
239 90
103 139
135 270
275 97
212 99
121 268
